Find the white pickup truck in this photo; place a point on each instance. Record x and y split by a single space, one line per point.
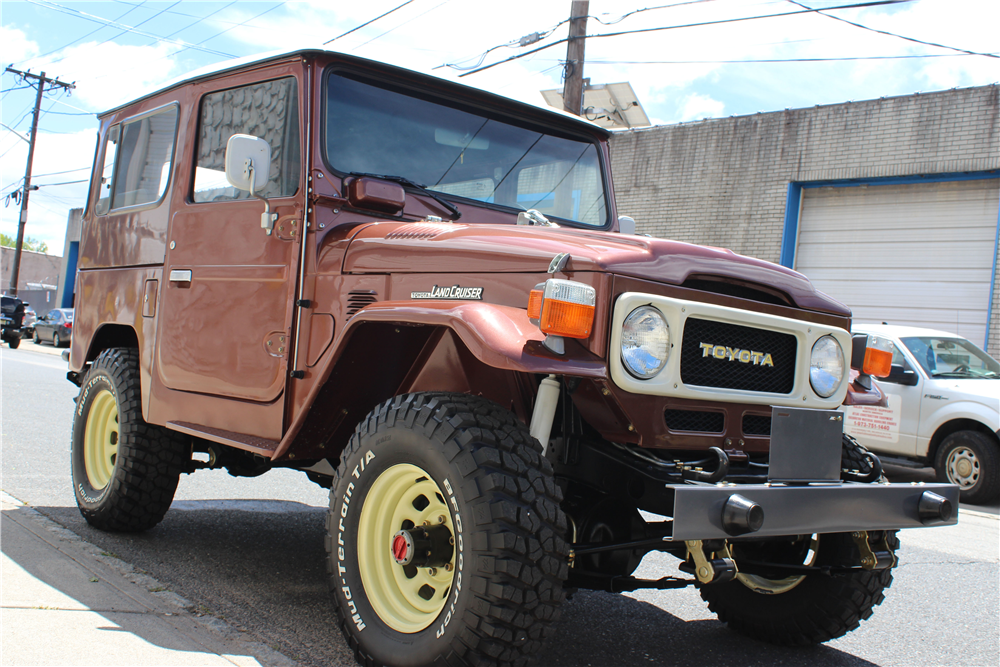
944 409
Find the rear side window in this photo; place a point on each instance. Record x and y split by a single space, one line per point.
268 110
145 151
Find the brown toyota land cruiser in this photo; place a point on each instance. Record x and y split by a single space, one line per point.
421 295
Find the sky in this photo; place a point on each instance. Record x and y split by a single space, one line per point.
116 51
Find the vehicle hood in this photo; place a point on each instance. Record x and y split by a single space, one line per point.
427 247
983 390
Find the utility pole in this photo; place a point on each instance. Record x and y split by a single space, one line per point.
573 74
42 80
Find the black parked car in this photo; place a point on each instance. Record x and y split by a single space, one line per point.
11 316
56 327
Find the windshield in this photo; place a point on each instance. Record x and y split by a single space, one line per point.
460 153
952 357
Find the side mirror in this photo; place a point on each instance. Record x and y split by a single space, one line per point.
248 163
626 224
902 375
248 160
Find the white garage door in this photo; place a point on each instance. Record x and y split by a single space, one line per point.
918 254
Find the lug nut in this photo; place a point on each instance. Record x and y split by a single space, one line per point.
432 571
441 518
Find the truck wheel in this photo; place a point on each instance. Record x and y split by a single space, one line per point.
969 459
798 610
445 536
125 471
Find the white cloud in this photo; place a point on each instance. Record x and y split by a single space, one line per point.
16 45
109 74
696 106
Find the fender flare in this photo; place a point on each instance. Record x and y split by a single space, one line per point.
499 336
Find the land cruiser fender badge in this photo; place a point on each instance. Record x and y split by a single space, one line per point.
455 292
724 353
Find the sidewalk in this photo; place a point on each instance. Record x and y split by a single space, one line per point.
64 602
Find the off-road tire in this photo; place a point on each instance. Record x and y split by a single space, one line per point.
510 558
149 458
857 464
818 609
986 455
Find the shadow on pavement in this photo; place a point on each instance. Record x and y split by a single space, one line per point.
264 572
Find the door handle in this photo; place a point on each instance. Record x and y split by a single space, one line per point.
180 275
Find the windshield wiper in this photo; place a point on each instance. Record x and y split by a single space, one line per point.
402 180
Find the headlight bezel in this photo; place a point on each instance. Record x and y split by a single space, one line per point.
633 317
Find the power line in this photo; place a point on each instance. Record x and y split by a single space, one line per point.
237 25
118 18
203 18
123 32
873 3
775 60
97 19
536 37
402 24
892 34
367 23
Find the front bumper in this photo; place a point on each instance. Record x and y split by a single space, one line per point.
801 509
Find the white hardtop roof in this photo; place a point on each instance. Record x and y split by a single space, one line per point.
237 63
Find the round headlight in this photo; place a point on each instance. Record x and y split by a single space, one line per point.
645 342
826 366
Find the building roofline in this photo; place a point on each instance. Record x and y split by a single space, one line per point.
816 106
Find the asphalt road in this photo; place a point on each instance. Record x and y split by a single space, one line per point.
250 551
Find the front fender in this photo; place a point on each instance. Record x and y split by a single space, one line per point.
954 411
499 336
347 386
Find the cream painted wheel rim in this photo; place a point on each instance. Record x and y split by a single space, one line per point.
962 467
100 439
765 586
406 598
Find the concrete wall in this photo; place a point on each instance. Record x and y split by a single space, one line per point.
724 182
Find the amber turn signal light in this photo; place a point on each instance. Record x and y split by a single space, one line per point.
562 318
535 304
562 308
878 357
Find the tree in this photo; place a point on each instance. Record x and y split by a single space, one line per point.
29 243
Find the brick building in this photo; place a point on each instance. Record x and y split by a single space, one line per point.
889 205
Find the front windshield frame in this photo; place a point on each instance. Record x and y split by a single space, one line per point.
988 368
411 89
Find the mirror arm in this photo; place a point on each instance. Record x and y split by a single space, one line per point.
267 218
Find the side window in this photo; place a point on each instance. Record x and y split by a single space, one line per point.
110 151
268 110
145 150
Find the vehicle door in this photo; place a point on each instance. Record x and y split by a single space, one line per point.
47 325
898 423
225 315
